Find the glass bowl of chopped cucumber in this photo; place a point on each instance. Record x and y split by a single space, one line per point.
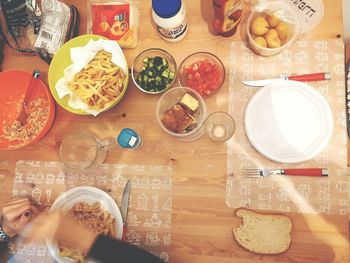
154 71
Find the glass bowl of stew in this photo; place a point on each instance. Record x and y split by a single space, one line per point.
203 72
181 113
153 71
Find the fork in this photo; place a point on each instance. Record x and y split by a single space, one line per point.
263 172
23 114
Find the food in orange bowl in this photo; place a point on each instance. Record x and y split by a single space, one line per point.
40 109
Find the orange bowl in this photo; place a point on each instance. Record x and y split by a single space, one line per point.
41 106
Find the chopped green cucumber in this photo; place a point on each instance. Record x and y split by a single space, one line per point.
155 74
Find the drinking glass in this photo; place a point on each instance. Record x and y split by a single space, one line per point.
220 126
83 150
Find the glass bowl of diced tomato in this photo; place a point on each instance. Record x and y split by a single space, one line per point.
203 72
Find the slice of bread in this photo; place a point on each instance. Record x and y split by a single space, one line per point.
263 233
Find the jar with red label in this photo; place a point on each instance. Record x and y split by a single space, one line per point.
115 20
228 14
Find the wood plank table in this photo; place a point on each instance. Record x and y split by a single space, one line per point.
201 221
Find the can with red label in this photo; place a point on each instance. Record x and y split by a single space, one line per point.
116 21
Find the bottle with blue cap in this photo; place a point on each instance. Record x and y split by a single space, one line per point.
129 139
170 19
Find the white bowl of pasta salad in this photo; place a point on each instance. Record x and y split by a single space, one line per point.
86 204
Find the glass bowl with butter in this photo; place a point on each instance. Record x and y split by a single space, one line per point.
181 112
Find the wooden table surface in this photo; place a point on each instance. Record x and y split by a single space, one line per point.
201 221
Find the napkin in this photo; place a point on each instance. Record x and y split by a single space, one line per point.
80 57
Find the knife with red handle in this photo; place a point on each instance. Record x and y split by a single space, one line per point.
305 77
124 232
311 77
305 171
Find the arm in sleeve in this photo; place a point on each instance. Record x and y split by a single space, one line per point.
108 250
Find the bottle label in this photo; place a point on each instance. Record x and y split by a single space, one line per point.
233 14
173 33
111 21
228 14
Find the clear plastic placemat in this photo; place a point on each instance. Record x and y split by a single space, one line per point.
326 195
150 203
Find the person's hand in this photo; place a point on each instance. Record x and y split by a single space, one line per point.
64 230
16 214
45 226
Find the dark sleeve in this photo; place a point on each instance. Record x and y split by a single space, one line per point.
3 251
108 250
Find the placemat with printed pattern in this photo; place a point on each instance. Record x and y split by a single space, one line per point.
150 203
326 195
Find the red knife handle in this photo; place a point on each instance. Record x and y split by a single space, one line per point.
30 88
124 233
311 77
306 172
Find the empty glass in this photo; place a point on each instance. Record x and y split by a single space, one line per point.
220 126
83 149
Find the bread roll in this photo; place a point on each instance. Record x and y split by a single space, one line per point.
263 233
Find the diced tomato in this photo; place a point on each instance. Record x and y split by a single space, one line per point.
203 76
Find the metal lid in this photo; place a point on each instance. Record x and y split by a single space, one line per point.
128 138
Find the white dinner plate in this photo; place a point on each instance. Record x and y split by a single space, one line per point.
288 122
90 195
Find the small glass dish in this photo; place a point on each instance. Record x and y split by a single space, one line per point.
220 126
168 101
203 72
154 76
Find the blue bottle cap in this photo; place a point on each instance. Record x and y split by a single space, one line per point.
128 138
166 9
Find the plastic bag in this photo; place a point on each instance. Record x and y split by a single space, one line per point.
305 15
280 10
59 23
115 20
37 27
